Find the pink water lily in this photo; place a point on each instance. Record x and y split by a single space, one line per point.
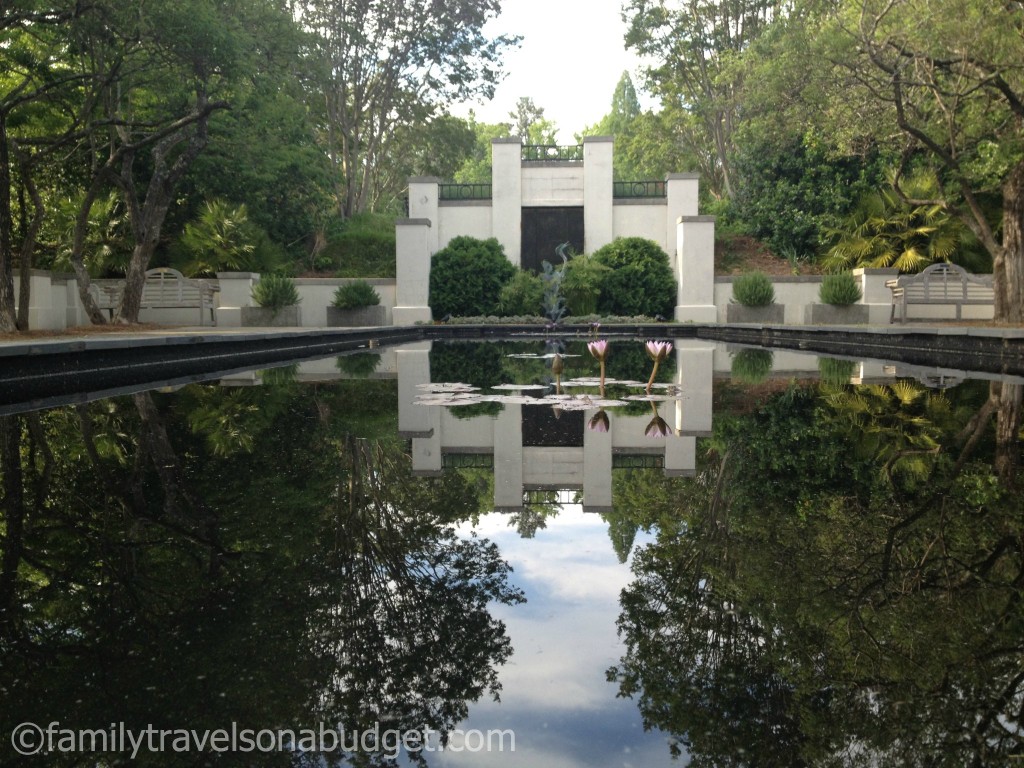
657 428
599 422
599 349
658 350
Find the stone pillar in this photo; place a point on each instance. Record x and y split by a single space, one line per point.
695 379
423 204
681 193
508 459
507 195
875 294
680 456
235 293
695 269
412 287
598 219
413 363
597 466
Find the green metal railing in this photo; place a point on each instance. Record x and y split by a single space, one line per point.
464 191
533 153
639 189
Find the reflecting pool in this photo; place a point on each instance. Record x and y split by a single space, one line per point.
509 554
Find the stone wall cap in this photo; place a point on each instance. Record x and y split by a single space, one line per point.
236 275
425 180
412 222
598 139
688 176
696 220
507 140
875 271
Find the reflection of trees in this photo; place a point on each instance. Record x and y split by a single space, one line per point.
275 573
407 608
862 604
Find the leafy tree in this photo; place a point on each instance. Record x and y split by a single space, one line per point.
695 44
885 231
387 63
477 167
527 120
943 78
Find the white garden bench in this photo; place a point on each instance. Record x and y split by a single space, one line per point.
164 288
939 284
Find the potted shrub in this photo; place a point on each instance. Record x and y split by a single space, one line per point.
839 294
278 303
753 300
356 304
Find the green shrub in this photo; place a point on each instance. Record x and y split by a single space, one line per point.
582 283
841 289
752 366
836 372
753 289
364 247
466 277
356 296
639 280
522 295
358 364
275 292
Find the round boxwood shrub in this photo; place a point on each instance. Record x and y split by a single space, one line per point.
840 289
356 296
275 292
753 289
639 280
752 366
522 295
466 277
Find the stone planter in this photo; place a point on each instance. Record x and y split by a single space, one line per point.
772 314
356 318
834 314
263 317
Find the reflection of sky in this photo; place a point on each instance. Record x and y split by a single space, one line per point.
555 695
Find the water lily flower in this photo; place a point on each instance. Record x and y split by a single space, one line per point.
599 349
658 351
598 422
557 366
658 427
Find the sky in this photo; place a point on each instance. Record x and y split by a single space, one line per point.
571 57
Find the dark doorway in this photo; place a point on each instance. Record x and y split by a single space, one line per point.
544 229
545 426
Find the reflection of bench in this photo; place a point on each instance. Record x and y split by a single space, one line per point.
164 288
939 284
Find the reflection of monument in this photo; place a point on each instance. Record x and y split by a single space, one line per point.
528 455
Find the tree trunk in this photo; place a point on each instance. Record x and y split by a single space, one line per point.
1008 399
14 518
1008 266
148 217
7 319
28 246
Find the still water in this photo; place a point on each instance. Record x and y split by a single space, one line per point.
739 557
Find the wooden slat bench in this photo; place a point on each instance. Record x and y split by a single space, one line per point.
939 284
164 288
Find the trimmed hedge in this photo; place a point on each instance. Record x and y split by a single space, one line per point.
640 280
466 277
